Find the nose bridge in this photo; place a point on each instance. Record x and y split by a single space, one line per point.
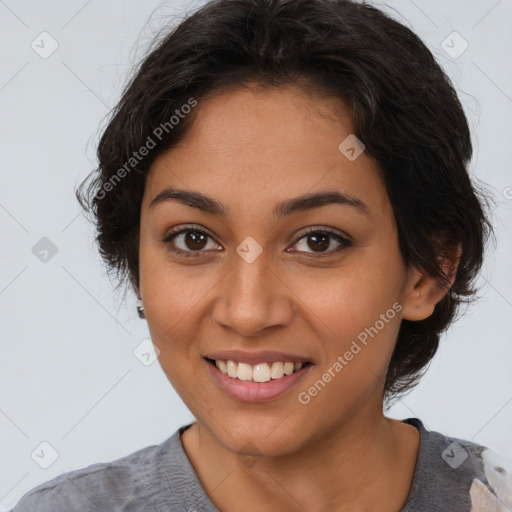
250 279
253 298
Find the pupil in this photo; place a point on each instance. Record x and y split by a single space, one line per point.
322 245
194 237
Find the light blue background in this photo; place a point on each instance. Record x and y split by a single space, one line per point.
67 369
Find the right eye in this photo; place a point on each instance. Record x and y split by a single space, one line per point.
187 241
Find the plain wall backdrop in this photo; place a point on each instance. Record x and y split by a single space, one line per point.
69 377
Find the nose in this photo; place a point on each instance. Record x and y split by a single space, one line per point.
253 297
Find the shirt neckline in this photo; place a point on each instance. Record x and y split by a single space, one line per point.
420 479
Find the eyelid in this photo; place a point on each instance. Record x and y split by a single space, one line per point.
321 229
187 227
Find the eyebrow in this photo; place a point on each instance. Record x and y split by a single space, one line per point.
290 206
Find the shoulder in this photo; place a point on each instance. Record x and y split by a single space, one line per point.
120 485
454 470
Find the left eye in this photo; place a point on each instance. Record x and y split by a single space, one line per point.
194 240
320 241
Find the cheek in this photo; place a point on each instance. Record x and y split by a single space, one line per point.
170 291
359 312
353 298
170 300
357 351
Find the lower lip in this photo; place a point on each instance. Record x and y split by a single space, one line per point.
249 391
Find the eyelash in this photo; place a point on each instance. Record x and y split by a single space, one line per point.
344 242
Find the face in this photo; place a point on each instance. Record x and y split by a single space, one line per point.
247 268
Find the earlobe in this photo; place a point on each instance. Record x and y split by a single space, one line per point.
424 291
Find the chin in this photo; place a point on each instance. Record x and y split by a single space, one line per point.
270 437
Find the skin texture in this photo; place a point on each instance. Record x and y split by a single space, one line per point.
250 149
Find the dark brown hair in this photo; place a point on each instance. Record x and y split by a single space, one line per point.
405 110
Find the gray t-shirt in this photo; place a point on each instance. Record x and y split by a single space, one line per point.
451 475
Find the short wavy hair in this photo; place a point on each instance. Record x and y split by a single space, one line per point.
404 109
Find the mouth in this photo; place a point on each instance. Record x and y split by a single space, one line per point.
261 372
266 377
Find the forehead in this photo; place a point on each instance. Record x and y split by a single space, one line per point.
266 145
274 116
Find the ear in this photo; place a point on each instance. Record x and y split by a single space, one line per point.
424 291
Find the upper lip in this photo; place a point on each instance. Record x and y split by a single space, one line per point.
256 357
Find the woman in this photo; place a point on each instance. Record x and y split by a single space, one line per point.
284 185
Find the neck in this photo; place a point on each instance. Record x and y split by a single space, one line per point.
365 465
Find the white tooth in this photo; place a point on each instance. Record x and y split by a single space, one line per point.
244 371
261 373
288 368
277 370
231 368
